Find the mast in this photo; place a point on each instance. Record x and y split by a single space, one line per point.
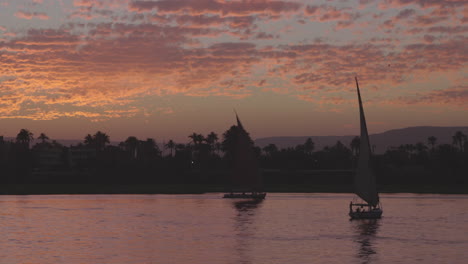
365 185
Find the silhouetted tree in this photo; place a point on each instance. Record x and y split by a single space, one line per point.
183 155
181 147
420 147
309 146
101 139
89 140
56 144
170 145
432 141
335 157
24 137
98 140
218 147
459 139
131 145
270 149
355 143
149 150
197 139
211 139
421 152
43 138
408 149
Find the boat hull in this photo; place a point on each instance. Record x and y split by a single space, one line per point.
373 214
245 195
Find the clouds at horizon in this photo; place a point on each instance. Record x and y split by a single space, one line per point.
99 59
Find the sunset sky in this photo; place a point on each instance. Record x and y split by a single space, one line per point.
165 69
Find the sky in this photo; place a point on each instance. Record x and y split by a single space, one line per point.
166 69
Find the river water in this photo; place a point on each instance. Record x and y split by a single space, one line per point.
284 228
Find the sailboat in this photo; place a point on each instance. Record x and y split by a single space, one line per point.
246 180
364 179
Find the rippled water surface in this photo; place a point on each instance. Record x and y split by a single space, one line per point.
284 228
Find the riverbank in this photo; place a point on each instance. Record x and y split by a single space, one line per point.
31 189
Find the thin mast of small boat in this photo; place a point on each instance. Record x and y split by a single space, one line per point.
364 180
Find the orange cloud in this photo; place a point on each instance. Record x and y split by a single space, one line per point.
29 15
224 8
133 50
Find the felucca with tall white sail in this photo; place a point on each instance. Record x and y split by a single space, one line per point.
365 185
246 181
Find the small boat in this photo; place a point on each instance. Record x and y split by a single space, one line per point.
364 180
245 195
246 181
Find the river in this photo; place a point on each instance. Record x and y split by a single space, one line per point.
284 228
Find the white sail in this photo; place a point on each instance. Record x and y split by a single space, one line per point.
365 185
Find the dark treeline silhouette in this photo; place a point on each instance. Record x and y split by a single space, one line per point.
205 160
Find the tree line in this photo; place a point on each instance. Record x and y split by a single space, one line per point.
205 159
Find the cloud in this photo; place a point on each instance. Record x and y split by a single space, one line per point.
112 55
326 13
117 65
311 10
324 69
31 15
428 20
203 21
406 13
453 97
426 3
224 8
448 29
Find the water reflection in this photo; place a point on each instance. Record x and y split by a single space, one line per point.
245 228
366 231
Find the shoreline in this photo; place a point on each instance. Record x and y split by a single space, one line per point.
54 189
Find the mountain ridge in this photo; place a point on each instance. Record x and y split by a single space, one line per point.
382 141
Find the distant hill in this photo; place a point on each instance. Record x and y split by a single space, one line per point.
382 141
64 142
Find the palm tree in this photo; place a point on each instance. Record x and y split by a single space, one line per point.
170 145
89 140
211 140
131 145
149 149
432 141
459 139
98 140
43 138
196 138
355 143
410 148
24 137
101 139
309 146
420 148
56 144
270 149
181 147
218 147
